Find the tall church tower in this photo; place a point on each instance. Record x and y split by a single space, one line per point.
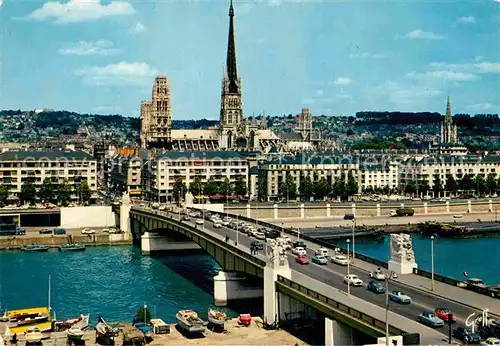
448 128
231 110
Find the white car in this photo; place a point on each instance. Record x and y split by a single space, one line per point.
88 231
340 259
217 225
322 252
491 342
353 280
259 235
378 275
199 221
299 251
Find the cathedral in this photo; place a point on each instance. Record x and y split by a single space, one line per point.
448 127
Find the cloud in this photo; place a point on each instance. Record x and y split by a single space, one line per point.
101 47
369 55
138 28
479 67
122 73
75 11
1 2
467 20
442 75
424 35
342 81
481 107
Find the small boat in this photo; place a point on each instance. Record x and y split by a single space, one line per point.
35 248
74 333
216 317
81 322
104 329
72 247
189 321
33 335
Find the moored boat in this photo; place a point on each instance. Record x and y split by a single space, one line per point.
72 247
216 317
35 248
22 319
189 321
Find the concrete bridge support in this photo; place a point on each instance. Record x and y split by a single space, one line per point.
277 266
337 333
125 217
231 286
154 242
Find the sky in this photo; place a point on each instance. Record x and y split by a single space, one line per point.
334 57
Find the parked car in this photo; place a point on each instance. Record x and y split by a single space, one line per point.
443 314
339 259
60 231
376 287
319 259
465 334
353 280
458 216
302 259
348 216
299 251
88 231
46 231
399 297
378 275
429 319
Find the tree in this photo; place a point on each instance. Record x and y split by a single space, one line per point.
46 192
322 188
211 188
84 191
491 183
179 189
143 315
466 183
306 188
196 186
451 184
479 185
226 189
352 185
437 185
423 186
288 188
338 188
4 195
240 187
63 193
410 187
28 192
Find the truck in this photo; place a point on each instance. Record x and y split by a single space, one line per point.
10 229
403 212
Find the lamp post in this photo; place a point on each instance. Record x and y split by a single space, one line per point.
353 250
387 278
432 263
348 273
237 231
145 313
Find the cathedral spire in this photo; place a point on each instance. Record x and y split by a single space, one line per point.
232 71
448 109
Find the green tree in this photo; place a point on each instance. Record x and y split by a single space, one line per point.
480 185
143 314
451 184
466 183
63 193
4 195
306 187
46 192
240 187
338 188
226 188
288 188
196 186
423 186
83 190
410 187
28 192
437 185
179 190
491 183
352 185
322 188
211 188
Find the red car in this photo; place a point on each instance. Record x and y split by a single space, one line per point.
443 314
302 259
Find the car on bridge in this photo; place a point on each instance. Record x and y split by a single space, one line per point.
257 245
217 224
319 259
299 244
339 259
259 235
302 259
322 251
375 287
399 297
378 275
199 221
429 319
353 280
299 251
491 342
46 231
444 314
465 334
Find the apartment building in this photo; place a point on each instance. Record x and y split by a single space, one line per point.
125 170
18 166
160 173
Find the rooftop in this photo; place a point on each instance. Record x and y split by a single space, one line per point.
38 155
210 155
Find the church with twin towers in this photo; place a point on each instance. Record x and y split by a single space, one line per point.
234 132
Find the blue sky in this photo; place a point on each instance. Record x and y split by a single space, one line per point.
334 57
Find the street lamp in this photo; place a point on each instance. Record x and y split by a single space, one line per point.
432 263
237 231
387 278
353 250
348 273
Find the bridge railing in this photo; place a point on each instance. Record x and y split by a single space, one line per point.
355 314
206 235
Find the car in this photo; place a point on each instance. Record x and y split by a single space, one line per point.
185 218
429 319
60 231
443 314
259 235
302 259
491 342
199 221
46 231
465 334
353 280
322 251
256 245
299 244
299 251
88 231
273 234
339 259
319 259
378 275
458 216
217 224
349 217
376 287
399 297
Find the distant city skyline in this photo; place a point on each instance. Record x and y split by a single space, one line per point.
335 58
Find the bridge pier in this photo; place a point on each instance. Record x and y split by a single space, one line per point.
277 266
231 286
337 333
153 242
125 214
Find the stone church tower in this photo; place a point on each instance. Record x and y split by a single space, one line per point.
448 128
